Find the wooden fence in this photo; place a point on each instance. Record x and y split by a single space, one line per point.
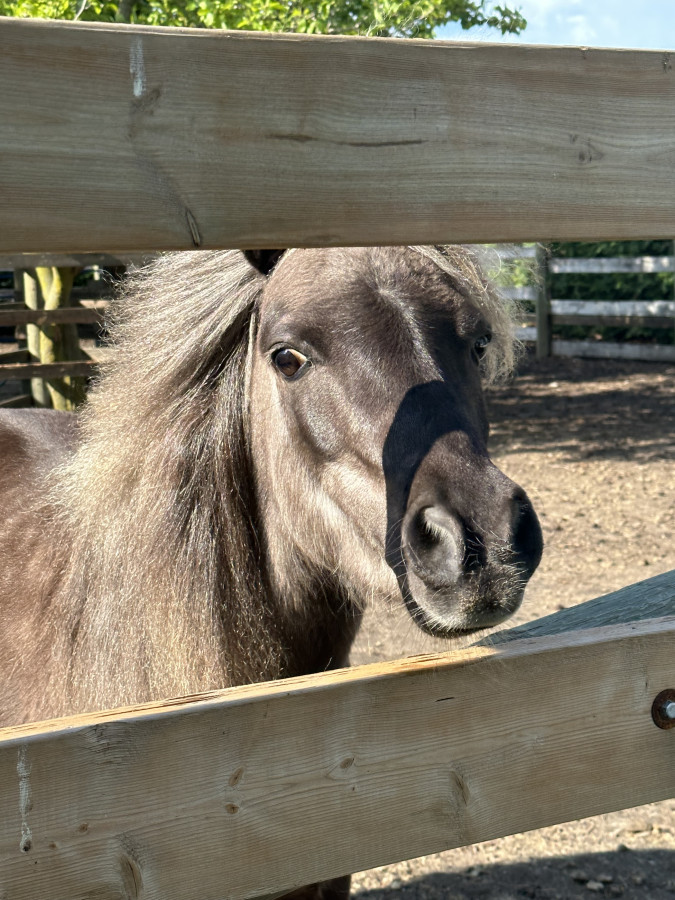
87 307
550 313
255 790
212 139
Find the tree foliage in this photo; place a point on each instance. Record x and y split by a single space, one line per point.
402 18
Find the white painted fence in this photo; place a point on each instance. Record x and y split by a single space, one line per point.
539 327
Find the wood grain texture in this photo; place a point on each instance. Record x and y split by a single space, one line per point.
62 260
81 368
646 599
262 788
126 138
543 307
626 313
82 315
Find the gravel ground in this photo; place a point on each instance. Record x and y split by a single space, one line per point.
592 443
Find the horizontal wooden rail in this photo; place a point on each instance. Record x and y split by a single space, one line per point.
82 315
650 313
528 292
646 599
601 308
13 356
13 261
172 138
643 313
608 265
83 368
259 789
641 352
615 321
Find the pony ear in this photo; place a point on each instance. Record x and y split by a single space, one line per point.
263 260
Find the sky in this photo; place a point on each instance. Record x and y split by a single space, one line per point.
646 24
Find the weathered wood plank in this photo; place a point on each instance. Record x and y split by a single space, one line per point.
647 599
67 260
72 315
609 350
615 321
602 349
277 140
519 293
262 788
599 308
48 370
81 299
13 356
601 266
543 331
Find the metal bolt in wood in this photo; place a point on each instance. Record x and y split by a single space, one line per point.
663 709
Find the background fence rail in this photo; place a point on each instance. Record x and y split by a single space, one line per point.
87 307
550 313
536 327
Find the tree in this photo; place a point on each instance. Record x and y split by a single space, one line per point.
50 288
402 18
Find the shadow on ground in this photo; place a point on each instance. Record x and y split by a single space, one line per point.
631 874
588 409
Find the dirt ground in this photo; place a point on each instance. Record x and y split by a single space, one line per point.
592 444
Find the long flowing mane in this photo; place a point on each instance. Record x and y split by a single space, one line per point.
164 588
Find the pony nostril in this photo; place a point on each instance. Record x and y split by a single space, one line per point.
434 546
528 542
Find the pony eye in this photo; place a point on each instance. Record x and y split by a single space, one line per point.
480 345
289 362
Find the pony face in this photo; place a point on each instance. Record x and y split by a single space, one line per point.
369 432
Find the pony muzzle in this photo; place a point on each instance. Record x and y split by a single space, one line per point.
458 578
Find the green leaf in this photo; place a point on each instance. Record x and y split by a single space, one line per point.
403 18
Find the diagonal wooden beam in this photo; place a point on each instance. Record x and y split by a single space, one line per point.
262 788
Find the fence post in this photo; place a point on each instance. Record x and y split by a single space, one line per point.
32 299
543 303
672 269
19 297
